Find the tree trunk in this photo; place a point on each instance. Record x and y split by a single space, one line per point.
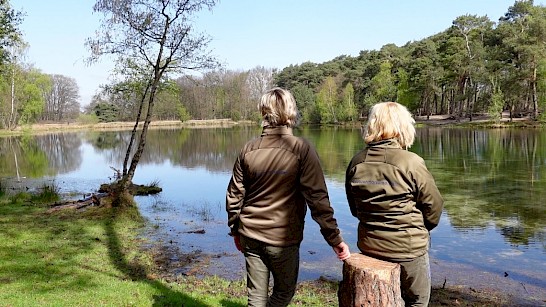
12 121
535 97
127 179
370 282
133 132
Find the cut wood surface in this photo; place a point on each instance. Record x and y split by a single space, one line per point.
370 282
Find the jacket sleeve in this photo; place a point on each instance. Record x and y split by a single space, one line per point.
315 192
428 198
235 196
350 199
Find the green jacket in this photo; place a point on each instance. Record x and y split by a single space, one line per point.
395 199
275 177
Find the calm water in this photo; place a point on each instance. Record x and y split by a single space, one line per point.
492 232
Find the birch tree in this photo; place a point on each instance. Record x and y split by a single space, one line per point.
150 40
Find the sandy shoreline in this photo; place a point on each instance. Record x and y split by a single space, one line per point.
434 120
125 125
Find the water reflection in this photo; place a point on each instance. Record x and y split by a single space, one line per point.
35 157
493 182
491 177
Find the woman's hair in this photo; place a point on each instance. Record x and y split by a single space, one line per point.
278 108
390 120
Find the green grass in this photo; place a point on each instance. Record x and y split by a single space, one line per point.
95 258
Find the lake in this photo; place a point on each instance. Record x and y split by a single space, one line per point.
492 233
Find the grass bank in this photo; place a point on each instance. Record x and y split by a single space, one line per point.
96 258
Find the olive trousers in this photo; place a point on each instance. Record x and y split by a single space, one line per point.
415 281
262 261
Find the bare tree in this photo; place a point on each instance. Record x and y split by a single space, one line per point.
259 80
150 39
62 101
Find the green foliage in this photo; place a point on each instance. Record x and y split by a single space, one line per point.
382 86
305 99
497 105
168 104
20 198
88 119
308 74
255 117
10 35
106 112
236 115
48 193
368 101
347 111
328 101
32 90
183 113
404 93
33 106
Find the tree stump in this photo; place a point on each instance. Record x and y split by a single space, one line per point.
370 282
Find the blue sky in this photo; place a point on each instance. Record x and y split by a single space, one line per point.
250 33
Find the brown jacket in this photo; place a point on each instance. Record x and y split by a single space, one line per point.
274 177
395 198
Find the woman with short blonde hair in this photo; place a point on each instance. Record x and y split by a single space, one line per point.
276 178
395 198
278 108
390 120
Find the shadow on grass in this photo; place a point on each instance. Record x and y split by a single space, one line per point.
37 252
227 303
137 272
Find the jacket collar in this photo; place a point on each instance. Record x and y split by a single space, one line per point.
388 143
268 130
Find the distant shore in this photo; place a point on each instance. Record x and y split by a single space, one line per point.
477 120
434 120
71 126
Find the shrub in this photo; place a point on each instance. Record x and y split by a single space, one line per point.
88 119
183 114
48 194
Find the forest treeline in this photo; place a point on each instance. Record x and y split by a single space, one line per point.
475 66
28 95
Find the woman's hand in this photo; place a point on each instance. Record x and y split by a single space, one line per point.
342 251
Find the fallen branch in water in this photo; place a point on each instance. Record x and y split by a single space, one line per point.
105 191
93 200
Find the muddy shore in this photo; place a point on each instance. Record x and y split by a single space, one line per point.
466 284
